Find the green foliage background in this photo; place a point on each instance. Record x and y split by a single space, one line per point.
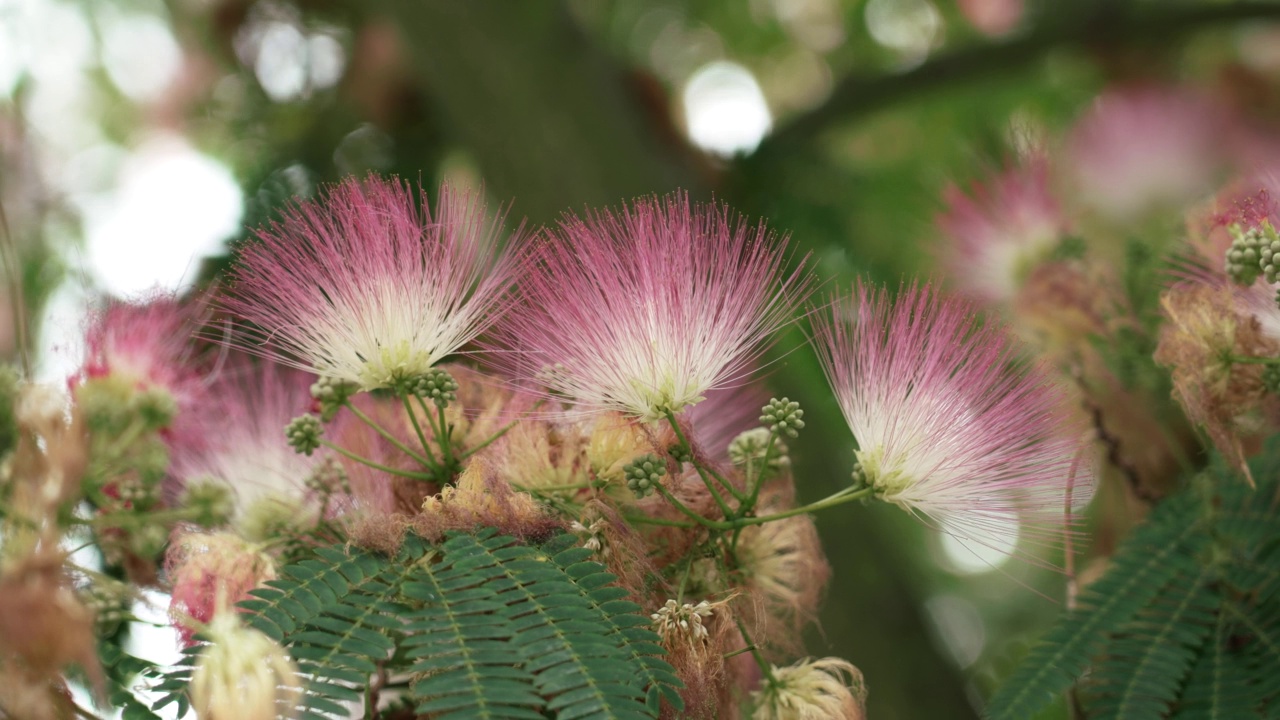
558 105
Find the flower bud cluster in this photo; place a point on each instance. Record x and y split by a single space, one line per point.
749 449
783 417
643 474
436 385
331 394
303 433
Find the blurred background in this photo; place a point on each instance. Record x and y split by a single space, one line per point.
139 138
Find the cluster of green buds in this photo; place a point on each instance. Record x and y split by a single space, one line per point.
860 479
209 501
111 602
1253 252
112 405
749 449
643 474
1244 255
435 385
303 433
783 417
332 394
1271 378
328 477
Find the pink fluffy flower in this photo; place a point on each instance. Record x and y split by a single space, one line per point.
1000 229
645 310
247 451
363 286
208 570
1149 145
148 345
944 425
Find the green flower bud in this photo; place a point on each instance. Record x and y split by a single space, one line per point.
1271 378
643 474
303 433
748 449
156 407
274 516
783 417
10 381
328 477
332 394
1247 257
436 385
210 500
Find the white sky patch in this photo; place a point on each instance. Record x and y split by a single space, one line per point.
959 625
910 27
172 207
139 53
61 340
725 109
970 557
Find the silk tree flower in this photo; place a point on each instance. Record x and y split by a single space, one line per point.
1209 321
1144 146
145 346
247 452
644 310
1001 229
946 426
366 286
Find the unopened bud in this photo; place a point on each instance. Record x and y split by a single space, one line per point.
156 407
1245 256
748 449
332 394
210 501
1271 379
435 385
643 474
783 417
303 433
243 675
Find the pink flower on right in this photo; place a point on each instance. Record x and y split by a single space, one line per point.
949 422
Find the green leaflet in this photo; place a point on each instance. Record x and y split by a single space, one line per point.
481 626
1186 621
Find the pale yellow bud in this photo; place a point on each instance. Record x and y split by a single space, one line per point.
243 675
825 689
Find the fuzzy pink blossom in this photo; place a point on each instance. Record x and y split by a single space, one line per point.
993 18
148 344
645 310
209 570
366 286
725 414
1000 229
945 426
1146 146
247 450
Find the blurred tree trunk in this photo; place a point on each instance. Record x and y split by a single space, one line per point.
557 124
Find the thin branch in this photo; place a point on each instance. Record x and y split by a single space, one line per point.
1104 24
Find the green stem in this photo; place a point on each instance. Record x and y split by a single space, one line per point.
417 428
387 435
839 498
755 653
489 441
685 509
378 466
553 488
684 442
646 520
755 484
445 438
1254 360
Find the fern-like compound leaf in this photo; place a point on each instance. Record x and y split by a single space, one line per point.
1155 554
